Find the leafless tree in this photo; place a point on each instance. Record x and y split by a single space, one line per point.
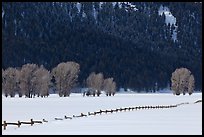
66 75
90 81
10 81
182 81
113 88
175 82
95 82
42 81
28 79
109 86
191 85
3 82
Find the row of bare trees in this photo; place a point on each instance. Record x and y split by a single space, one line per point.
32 80
97 83
182 81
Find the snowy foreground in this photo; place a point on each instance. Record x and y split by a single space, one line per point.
184 119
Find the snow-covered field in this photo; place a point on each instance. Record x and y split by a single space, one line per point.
184 119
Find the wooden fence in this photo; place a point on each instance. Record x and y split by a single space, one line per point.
124 109
19 123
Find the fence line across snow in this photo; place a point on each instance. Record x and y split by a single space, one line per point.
122 109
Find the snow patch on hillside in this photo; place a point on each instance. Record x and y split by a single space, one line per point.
128 5
78 5
169 19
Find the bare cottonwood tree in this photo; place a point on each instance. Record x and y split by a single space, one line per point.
113 88
175 82
106 86
109 86
10 81
90 80
42 79
28 79
185 75
66 75
191 85
95 82
4 88
3 82
182 81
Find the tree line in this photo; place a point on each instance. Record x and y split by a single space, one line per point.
32 80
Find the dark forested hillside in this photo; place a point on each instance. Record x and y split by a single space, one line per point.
130 42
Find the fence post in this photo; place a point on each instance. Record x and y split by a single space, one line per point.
5 125
19 123
31 122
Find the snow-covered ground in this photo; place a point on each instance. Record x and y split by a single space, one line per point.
184 119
